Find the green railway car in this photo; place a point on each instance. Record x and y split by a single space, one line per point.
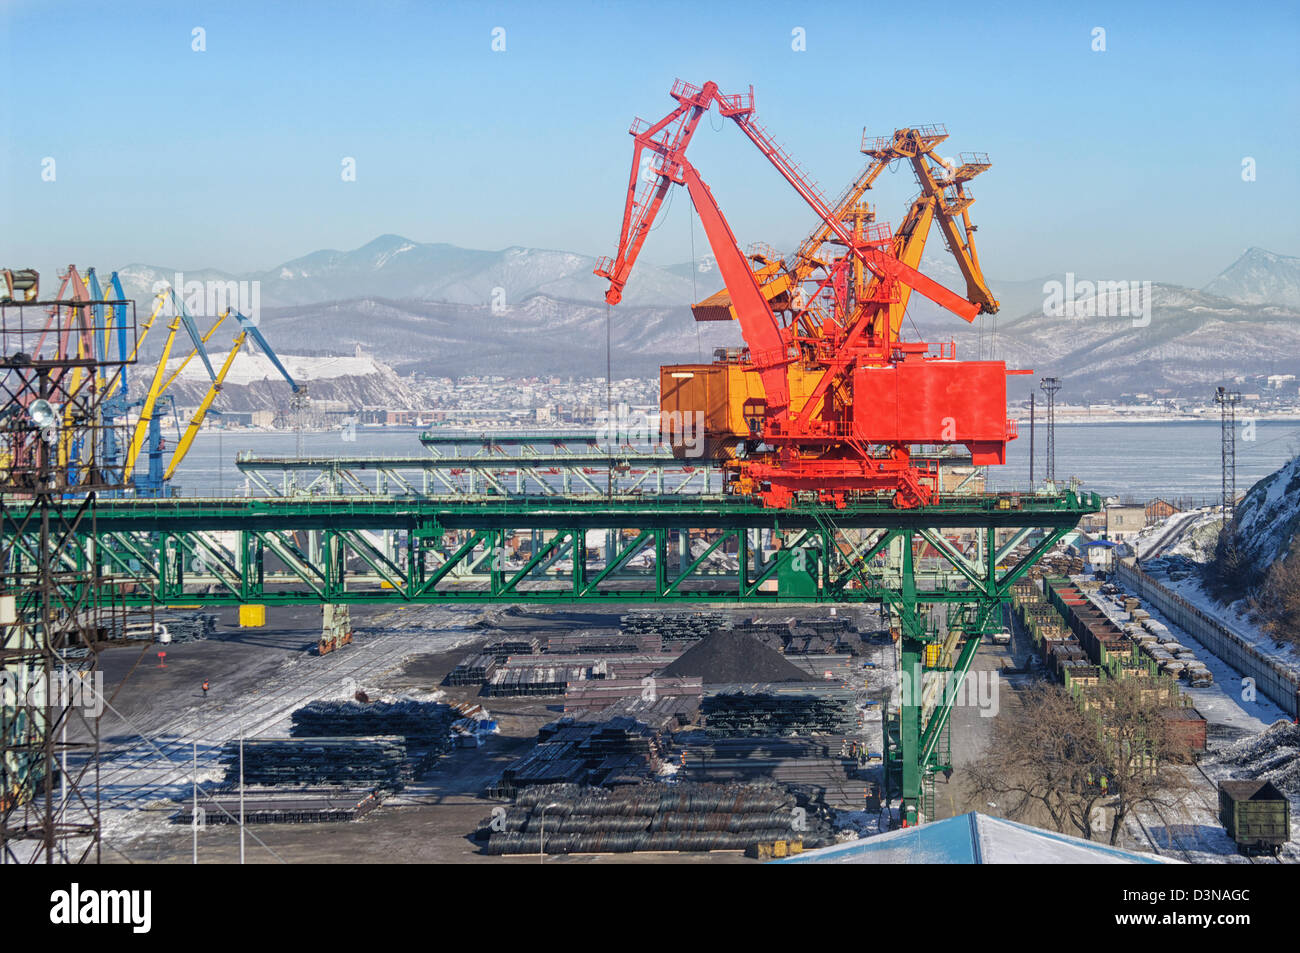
1256 815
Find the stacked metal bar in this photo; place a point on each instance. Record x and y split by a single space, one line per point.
270 806
426 724
615 642
534 677
773 710
601 693
674 627
473 670
823 766
502 649
371 762
575 750
563 819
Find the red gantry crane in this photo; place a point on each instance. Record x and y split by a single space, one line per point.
826 399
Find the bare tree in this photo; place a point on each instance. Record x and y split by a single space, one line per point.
1069 758
1277 601
1046 756
1142 753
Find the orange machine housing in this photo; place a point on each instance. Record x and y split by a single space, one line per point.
926 401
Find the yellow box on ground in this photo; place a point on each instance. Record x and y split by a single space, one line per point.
252 616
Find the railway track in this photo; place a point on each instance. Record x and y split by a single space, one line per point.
1178 842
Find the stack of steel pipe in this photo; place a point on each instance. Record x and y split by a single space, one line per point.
372 762
424 723
754 710
562 819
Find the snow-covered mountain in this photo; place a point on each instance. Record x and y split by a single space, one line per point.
397 268
1190 342
254 384
438 308
541 335
1260 277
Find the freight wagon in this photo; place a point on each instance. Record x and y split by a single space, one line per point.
1256 815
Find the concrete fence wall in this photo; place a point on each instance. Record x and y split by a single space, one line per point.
1277 683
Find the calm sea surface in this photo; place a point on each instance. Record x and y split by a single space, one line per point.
1139 460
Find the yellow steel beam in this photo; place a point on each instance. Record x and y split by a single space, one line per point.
196 421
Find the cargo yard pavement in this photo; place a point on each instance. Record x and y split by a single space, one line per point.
258 677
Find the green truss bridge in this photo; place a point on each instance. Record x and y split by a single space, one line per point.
943 571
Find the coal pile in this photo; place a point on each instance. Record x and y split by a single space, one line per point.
564 819
427 724
1272 755
730 656
352 762
763 711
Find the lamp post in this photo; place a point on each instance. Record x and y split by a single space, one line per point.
541 831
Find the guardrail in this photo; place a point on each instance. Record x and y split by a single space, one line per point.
1272 679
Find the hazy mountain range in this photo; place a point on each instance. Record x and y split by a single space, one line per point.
441 309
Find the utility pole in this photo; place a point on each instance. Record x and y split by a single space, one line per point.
194 801
1031 438
241 794
1050 386
1227 401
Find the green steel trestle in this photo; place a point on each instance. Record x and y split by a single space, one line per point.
580 550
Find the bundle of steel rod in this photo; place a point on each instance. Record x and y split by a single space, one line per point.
776 710
611 642
805 763
674 626
372 762
472 670
575 751
270 806
532 677
426 724
561 819
601 693
502 649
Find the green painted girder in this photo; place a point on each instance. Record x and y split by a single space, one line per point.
225 552
374 513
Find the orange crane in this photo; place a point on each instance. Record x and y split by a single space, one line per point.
826 399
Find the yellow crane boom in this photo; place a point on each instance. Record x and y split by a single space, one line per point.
191 431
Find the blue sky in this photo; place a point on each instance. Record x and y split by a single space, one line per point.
1124 163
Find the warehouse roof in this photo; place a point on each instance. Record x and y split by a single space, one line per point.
973 839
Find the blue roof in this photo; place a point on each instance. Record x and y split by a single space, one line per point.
973 838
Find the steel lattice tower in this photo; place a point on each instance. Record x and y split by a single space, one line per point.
1050 386
1227 401
55 374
